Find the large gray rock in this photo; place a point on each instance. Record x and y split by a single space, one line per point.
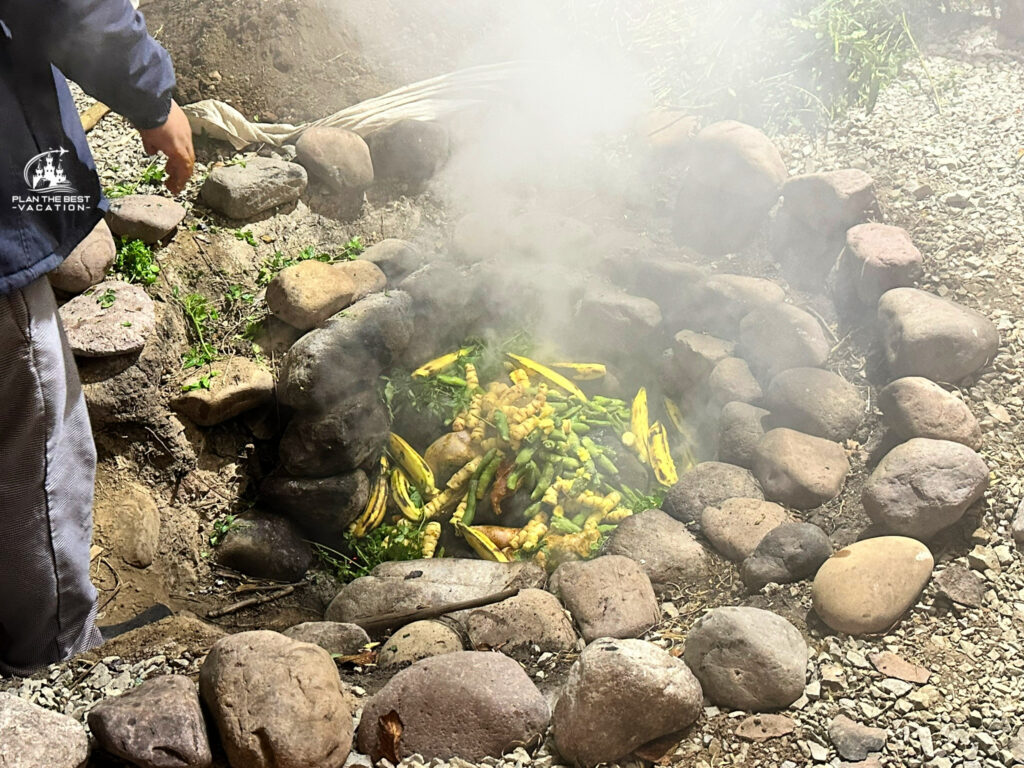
306 294
469 705
397 259
409 151
322 507
665 278
830 201
265 546
532 619
747 658
798 470
698 353
276 702
110 319
620 695
334 637
736 526
815 401
925 335
708 484
781 336
923 486
160 724
740 428
445 305
413 584
244 191
918 407
853 740
149 218
348 352
723 301
866 587
34 737
668 553
348 435
88 263
338 157
734 178
790 552
606 316
416 641
731 380
609 596
235 385
878 258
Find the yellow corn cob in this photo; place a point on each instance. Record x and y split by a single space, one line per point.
617 515
431 535
460 478
520 378
460 512
472 378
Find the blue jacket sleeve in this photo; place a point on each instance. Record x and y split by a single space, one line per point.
102 45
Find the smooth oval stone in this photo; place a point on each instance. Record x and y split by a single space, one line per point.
866 587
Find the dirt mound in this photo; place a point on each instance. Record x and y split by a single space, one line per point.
287 60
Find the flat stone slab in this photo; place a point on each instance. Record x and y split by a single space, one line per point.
244 191
236 385
113 318
33 737
149 218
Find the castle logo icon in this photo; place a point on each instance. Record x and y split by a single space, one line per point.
44 174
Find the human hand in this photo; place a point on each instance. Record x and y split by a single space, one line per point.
174 139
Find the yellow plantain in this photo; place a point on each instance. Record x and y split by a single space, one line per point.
639 425
582 371
401 493
661 458
439 364
373 513
675 415
414 465
482 545
555 378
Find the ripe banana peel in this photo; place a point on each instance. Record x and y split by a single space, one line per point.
373 513
439 364
482 545
415 466
553 376
639 425
582 371
661 459
401 493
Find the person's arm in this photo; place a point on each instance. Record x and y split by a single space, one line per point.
103 45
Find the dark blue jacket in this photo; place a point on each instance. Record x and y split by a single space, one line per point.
50 195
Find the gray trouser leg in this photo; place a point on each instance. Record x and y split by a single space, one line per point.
47 468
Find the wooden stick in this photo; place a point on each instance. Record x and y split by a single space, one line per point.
249 602
386 620
93 115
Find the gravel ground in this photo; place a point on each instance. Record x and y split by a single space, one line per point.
949 174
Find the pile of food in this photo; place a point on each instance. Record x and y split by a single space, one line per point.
533 467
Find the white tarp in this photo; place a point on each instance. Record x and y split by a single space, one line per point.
427 100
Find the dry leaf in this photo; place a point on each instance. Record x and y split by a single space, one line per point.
390 731
359 659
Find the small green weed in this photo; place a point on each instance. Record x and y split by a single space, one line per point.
200 314
107 298
136 263
402 541
278 261
221 527
246 235
203 382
